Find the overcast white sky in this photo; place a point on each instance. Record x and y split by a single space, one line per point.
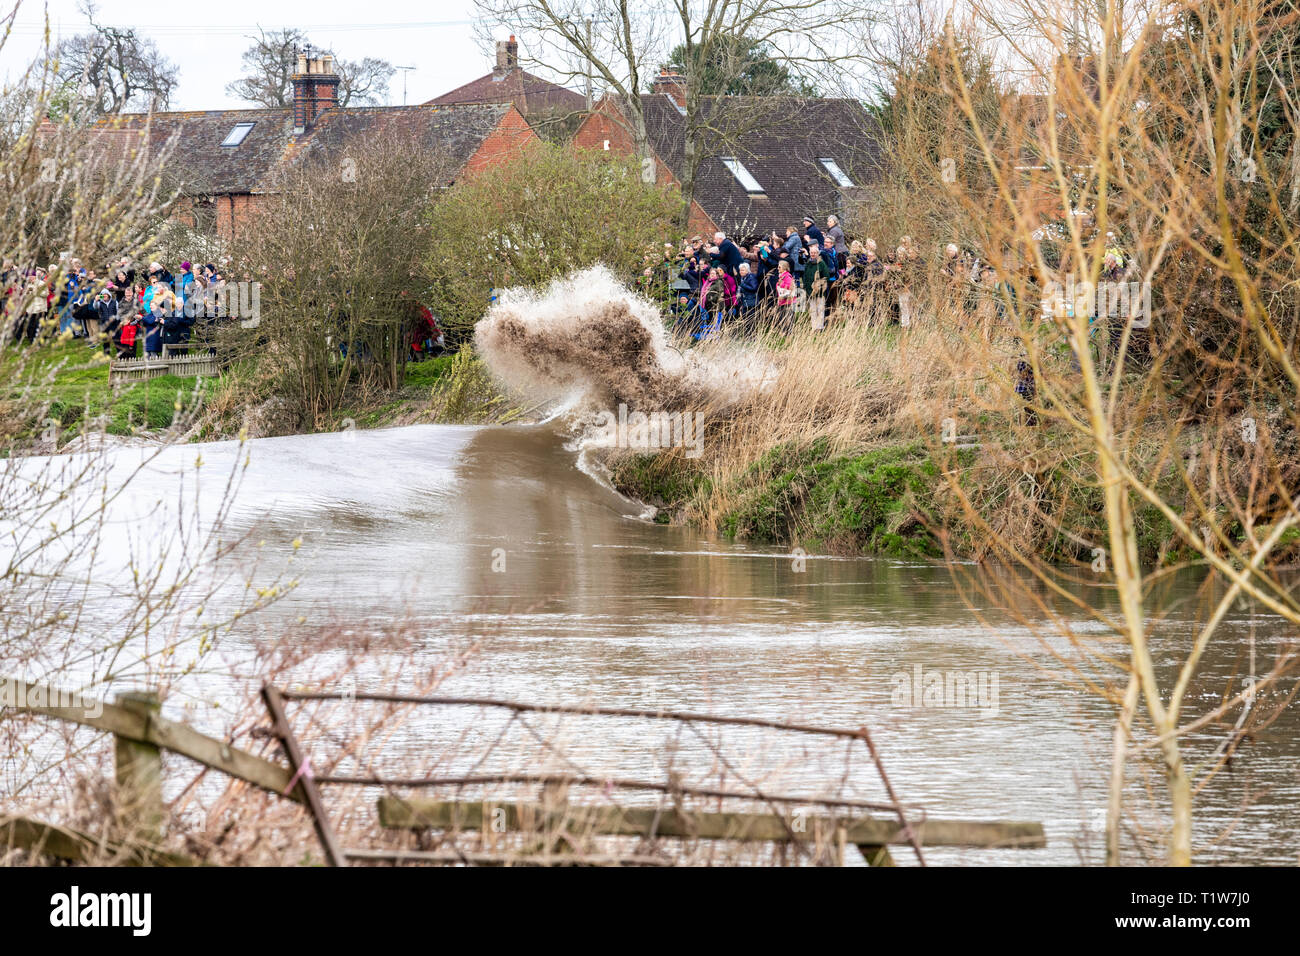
206 38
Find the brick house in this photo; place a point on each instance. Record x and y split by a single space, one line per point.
224 161
767 161
509 83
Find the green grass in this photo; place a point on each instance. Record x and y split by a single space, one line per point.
66 383
669 485
873 502
424 374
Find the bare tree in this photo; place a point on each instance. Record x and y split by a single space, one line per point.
269 65
616 46
363 82
114 69
1134 216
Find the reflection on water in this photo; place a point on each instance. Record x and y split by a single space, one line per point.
584 602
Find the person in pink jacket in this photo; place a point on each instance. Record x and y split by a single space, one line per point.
717 296
787 294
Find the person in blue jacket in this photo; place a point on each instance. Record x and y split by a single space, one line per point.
154 317
180 323
72 296
748 289
791 250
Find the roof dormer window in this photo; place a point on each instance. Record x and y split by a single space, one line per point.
840 176
236 134
743 175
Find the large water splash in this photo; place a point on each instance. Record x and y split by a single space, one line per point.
588 343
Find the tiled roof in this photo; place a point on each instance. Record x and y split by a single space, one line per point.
780 140
455 132
205 167
198 159
529 93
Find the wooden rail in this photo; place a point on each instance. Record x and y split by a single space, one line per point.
146 726
142 733
66 843
870 835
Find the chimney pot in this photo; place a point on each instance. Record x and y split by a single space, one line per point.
507 56
315 89
670 84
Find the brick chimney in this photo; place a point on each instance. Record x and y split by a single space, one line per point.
672 85
507 57
315 89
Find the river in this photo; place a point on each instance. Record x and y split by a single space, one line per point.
496 533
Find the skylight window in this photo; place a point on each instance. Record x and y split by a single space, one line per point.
236 134
840 176
743 175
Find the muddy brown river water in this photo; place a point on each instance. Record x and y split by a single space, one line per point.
578 599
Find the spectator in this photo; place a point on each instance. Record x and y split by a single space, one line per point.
718 293
837 235
128 327
767 257
104 325
71 296
727 253
786 295
811 231
830 256
82 305
792 250
37 292
159 305
833 265
694 273
816 283
748 289
184 283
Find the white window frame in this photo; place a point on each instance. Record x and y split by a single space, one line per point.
743 175
836 172
242 129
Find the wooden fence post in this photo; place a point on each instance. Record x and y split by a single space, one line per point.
138 770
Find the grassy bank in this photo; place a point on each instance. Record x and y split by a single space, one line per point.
871 439
54 393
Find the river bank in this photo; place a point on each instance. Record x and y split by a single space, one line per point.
59 396
864 444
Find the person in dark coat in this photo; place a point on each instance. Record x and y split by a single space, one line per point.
106 318
694 272
811 231
728 254
748 287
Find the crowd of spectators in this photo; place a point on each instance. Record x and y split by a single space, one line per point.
123 310
768 281
812 275
127 311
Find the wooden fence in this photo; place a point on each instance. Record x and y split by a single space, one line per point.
141 733
202 363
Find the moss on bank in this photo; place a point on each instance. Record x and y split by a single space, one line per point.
879 501
889 501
